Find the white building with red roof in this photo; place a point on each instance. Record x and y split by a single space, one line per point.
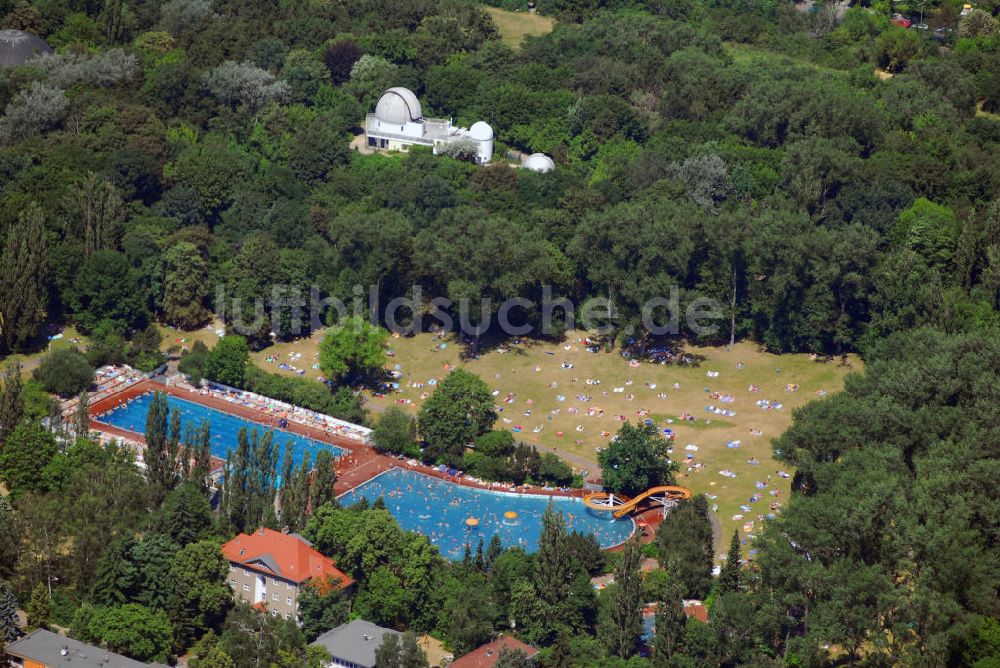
268 568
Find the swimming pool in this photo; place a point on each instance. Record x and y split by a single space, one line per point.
439 509
225 427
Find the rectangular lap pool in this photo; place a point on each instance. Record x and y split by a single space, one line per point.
225 427
439 510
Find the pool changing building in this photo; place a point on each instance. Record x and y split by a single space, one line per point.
398 123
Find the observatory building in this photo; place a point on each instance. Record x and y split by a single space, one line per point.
398 123
17 47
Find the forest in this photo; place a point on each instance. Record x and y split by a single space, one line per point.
827 175
745 153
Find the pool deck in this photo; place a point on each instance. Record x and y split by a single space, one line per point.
358 465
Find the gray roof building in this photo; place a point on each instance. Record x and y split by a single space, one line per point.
17 47
353 645
51 650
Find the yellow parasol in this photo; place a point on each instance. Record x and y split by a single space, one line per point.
510 514
472 522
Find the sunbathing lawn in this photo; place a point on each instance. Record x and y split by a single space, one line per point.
180 340
514 372
533 371
30 361
513 26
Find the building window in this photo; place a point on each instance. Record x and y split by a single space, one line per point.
288 601
246 587
288 585
371 141
274 597
246 573
286 615
232 583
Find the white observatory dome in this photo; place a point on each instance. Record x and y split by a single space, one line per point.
539 162
398 106
481 131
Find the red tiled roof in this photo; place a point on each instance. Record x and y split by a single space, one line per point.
486 655
696 610
285 555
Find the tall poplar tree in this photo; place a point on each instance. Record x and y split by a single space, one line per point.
621 620
324 478
157 443
553 572
201 446
22 281
11 400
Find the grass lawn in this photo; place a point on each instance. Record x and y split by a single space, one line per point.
985 114
533 372
30 361
513 26
182 340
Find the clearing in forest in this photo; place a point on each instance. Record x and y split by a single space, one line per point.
538 378
513 26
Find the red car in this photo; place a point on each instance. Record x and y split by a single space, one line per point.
901 21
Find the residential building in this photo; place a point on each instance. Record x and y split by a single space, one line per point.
486 655
45 649
268 568
353 645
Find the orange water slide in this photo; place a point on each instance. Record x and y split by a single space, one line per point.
620 506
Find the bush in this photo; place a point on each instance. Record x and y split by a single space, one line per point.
341 403
37 108
228 361
101 70
555 470
64 372
396 433
193 362
977 23
179 16
496 444
244 83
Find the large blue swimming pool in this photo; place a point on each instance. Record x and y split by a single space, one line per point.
439 510
225 427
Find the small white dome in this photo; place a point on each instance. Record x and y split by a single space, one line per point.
539 162
398 106
481 131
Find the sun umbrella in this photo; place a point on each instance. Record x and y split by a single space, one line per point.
472 522
510 514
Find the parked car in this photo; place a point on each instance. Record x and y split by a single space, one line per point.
901 21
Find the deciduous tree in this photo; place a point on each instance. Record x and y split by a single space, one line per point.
636 460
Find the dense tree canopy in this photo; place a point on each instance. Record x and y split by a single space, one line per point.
179 160
183 159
